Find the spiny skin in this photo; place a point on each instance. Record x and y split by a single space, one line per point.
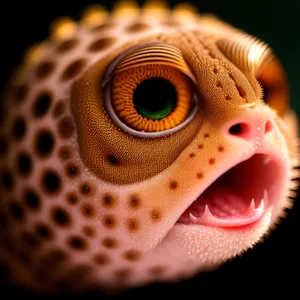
83 204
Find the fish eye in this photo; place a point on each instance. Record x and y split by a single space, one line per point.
150 91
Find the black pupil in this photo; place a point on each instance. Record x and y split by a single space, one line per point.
155 95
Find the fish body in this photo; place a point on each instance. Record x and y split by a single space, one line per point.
141 145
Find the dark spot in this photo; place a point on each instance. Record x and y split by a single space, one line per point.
59 108
219 84
157 270
85 189
155 215
32 200
132 255
113 160
53 259
108 200
228 97
123 273
19 128
220 148
211 161
173 185
72 170
67 45
200 146
88 210
20 92
88 231
65 152
77 243
65 127
132 225
105 26
72 198
110 243
215 70
109 221
206 135
7 179
241 91
44 143
73 69
101 44
30 239
137 27
41 104
192 155
200 175
51 182
101 259
4 145
60 217
44 231
134 201
44 69
16 210
24 164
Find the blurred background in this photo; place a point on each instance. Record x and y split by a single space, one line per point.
277 23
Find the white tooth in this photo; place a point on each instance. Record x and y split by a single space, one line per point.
261 205
266 197
207 213
192 217
251 207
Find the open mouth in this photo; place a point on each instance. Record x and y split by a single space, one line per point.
239 197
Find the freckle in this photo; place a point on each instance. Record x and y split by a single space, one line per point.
72 198
134 201
132 255
86 189
157 270
215 70
108 200
65 152
200 175
88 231
110 243
200 146
109 221
212 161
155 215
123 273
219 84
220 148
206 135
132 225
101 259
88 210
228 97
192 155
173 185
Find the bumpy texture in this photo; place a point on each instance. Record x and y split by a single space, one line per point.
85 204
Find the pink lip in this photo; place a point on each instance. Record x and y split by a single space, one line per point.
239 197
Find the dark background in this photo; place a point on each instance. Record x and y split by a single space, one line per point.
272 266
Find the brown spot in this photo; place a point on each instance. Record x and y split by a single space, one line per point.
77 243
51 182
67 45
7 179
19 128
20 92
4 145
86 189
72 170
123 273
113 160
200 175
44 143
89 231
155 215
60 216
215 70
65 127
220 148
206 135
157 270
88 210
72 198
228 97
32 200
59 108
173 185
101 259
29 239
44 69
24 164
110 243
108 200
241 91
192 155
105 26
65 152
41 104
211 161
109 221
101 44
137 27
219 84
54 258
200 146
16 210
134 201
132 225
44 231
73 69
132 255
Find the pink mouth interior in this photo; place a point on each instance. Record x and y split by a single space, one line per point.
227 201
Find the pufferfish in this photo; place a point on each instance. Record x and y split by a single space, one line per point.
142 145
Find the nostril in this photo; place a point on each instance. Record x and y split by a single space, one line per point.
268 126
240 129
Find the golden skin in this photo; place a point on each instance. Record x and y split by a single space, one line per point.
109 205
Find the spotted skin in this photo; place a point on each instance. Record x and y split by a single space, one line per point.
83 204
